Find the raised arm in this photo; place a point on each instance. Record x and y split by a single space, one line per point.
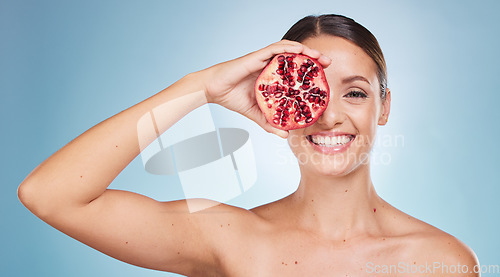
69 189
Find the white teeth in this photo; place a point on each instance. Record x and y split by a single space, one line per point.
331 141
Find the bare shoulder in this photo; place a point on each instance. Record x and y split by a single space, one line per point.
272 213
428 245
446 252
221 218
224 225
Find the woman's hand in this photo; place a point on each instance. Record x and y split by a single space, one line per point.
231 84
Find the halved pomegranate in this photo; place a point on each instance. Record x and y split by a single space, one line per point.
292 91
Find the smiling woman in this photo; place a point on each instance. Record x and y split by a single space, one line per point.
334 224
347 128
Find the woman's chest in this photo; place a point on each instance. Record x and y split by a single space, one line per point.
285 255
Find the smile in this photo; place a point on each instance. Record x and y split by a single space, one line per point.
330 141
330 144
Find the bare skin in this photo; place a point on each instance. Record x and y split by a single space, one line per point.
333 225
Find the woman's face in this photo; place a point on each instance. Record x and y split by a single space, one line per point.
341 140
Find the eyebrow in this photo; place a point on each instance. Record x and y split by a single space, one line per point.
355 78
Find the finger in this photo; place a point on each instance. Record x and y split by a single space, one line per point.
296 48
276 131
284 46
265 54
325 61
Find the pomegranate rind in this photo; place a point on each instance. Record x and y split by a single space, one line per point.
292 91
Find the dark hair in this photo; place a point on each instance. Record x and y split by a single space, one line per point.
341 26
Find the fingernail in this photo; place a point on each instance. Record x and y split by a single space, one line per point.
282 134
316 52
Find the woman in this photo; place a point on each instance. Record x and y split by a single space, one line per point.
335 224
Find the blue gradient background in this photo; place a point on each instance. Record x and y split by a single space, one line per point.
67 65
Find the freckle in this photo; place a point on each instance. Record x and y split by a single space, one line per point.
228 224
312 200
414 262
126 242
116 146
295 262
344 240
172 224
282 262
81 176
383 238
314 214
345 190
221 225
374 210
178 253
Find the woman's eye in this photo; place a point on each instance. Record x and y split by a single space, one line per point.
356 94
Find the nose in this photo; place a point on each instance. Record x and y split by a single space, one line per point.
333 116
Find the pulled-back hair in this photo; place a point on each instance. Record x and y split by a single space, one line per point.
344 27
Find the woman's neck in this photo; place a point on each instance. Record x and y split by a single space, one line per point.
337 207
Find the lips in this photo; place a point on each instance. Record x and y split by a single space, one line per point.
329 143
